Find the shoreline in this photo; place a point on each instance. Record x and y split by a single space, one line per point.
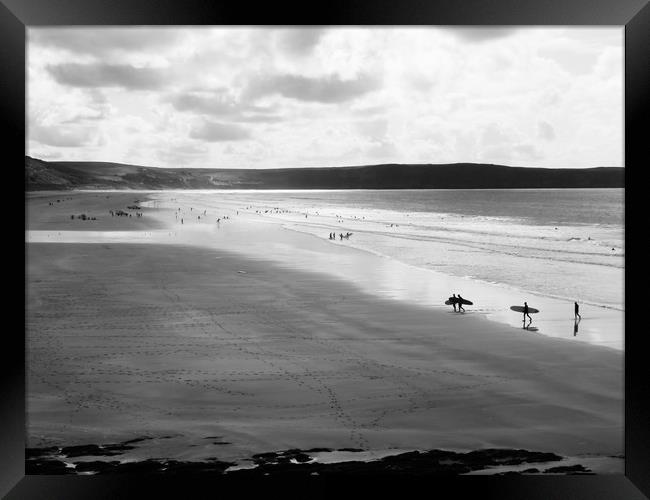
601 324
276 358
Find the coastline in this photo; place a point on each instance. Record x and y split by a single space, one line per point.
299 243
281 358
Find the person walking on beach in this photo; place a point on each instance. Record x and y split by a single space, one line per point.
454 300
526 314
460 303
576 313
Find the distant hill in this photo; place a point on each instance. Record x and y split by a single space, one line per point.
65 175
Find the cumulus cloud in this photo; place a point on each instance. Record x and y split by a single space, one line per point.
258 118
328 89
493 134
528 152
573 60
373 129
545 131
222 105
102 41
181 154
47 154
481 34
384 150
219 132
182 95
299 41
213 104
98 75
60 137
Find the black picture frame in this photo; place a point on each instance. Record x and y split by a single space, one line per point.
17 15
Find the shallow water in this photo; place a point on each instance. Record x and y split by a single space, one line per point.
557 243
471 248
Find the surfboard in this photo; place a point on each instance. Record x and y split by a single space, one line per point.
464 302
520 309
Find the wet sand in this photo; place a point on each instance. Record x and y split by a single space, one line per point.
212 354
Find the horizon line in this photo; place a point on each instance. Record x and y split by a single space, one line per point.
330 166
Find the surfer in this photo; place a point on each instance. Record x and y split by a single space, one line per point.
526 314
576 309
460 303
453 300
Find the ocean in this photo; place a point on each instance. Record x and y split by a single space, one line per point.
563 243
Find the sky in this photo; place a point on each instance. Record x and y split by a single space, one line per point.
277 97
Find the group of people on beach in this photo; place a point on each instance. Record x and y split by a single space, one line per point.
58 201
178 214
458 301
122 213
576 316
341 236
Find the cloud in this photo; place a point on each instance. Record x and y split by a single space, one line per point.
97 75
373 129
480 34
214 104
60 137
545 131
416 94
181 154
574 60
329 89
384 150
48 154
100 41
83 117
299 41
222 105
493 134
219 132
528 152
258 118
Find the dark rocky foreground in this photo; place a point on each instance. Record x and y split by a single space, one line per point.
294 463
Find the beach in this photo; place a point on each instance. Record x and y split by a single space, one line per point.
215 340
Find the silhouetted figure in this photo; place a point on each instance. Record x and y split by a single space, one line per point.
526 314
576 309
454 299
460 303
